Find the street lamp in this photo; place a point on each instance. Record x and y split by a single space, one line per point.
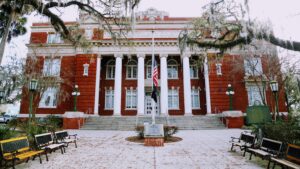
274 88
32 88
75 93
1 95
230 93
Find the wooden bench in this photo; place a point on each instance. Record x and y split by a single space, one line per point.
45 142
246 140
65 137
268 148
17 149
292 157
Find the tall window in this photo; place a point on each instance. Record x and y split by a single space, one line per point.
131 70
219 68
109 99
193 70
253 66
49 98
195 99
110 70
173 99
51 67
131 99
54 38
172 69
149 69
254 95
88 33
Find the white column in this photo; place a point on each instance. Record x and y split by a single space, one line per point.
141 83
118 84
97 86
207 88
187 85
163 84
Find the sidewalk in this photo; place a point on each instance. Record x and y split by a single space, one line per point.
199 149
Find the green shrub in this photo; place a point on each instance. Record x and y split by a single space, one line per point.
53 123
169 131
6 133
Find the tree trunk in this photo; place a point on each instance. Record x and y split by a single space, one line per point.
4 37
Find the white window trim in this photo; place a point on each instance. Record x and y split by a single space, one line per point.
111 94
42 105
173 95
219 69
149 64
249 85
198 91
172 66
86 69
57 35
258 70
51 74
108 66
131 67
193 64
131 98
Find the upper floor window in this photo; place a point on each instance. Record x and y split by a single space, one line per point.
195 99
131 99
256 94
54 38
173 99
88 33
51 67
49 98
109 99
172 69
131 71
149 70
110 70
219 68
194 69
253 66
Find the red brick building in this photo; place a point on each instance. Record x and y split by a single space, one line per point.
115 78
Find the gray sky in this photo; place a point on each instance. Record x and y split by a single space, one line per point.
284 16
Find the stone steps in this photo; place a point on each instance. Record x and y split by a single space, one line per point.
130 122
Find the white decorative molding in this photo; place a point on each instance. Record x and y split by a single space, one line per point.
152 14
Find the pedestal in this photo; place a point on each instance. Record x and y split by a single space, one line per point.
154 135
153 141
233 119
73 120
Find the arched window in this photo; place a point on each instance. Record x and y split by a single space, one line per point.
110 69
194 71
149 70
131 71
172 69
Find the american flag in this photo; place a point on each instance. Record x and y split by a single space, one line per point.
155 79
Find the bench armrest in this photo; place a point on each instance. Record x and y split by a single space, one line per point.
73 135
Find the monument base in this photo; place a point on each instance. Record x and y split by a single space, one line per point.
73 120
154 142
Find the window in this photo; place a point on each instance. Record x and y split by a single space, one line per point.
149 70
49 98
110 70
219 68
254 96
173 99
172 69
195 99
54 38
88 33
193 70
131 99
131 70
109 99
253 66
51 67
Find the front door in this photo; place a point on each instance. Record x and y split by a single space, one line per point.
148 104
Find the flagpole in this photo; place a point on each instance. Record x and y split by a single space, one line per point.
153 102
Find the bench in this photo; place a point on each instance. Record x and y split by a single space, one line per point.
246 140
292 156
17 149
45 142
268 148
65 137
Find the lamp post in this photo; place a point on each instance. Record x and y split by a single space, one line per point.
1 95
274 88
230 93
75 93
32 88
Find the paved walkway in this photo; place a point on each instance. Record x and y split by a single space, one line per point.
201 149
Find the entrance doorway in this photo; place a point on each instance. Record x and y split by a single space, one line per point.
148 104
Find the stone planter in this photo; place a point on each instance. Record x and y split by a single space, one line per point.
73 120
233 119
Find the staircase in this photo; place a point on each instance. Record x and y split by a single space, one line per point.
130 122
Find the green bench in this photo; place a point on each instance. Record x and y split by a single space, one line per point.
17 149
